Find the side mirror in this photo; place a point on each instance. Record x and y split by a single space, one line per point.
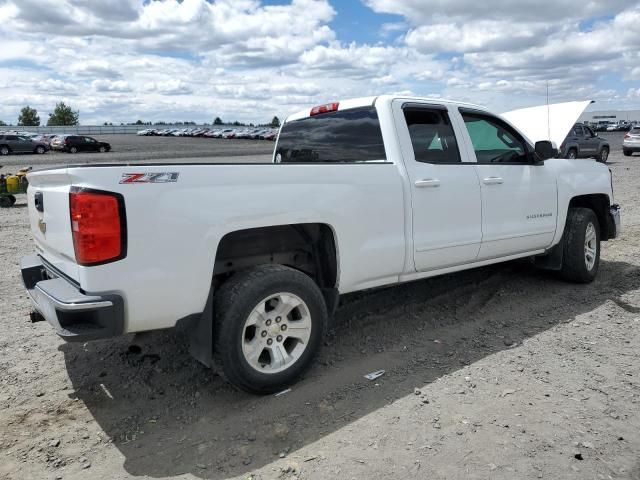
595 134
544 150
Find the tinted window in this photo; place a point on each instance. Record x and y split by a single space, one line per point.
11 137
494 141
577 130
89 140
345 136
635 131
432 136
588 132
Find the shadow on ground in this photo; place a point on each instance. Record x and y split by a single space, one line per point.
169 415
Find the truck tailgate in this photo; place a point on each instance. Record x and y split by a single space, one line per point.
50 220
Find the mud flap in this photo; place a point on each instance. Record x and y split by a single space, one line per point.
201 334
552 260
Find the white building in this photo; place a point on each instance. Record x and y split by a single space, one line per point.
611 116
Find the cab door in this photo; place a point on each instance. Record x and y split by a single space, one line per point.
519 198
445 192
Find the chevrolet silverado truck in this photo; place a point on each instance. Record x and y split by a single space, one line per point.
252 258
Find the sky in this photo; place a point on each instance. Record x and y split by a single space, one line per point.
248 60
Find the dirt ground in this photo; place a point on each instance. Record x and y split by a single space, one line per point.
501 372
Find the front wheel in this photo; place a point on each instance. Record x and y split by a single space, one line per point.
603 155
103 149
581 256
270 322
40 149
4 150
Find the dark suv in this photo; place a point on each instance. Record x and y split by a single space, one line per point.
582 142
77 143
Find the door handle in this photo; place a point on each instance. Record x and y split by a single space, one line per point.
493 180
428 182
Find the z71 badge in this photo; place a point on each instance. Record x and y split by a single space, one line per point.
160 177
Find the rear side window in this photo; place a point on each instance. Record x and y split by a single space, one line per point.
348 136
431 135
635 131
577 130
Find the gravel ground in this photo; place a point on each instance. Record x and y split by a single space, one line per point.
501 372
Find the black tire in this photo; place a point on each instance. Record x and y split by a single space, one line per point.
572 154
627 153
603 155
4 150
574 264
103 149
40 149
235 301
7 201
73 149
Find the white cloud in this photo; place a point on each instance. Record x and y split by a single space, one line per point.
239 59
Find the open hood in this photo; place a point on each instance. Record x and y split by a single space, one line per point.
547 122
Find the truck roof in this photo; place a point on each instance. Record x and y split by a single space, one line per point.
369 101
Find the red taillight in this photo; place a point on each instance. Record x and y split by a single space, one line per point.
627 135
329 107
98 226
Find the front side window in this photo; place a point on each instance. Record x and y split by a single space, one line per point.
588 132
347 136
577 130
431 135
494 141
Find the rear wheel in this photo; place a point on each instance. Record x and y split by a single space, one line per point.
270 322
603 155
73 149
581 256
627 153
4 150
572 154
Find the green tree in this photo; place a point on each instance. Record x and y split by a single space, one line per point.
275 122
2 124
217 121
63 115
139 122
28 117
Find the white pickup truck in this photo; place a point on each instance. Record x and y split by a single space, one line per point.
361 194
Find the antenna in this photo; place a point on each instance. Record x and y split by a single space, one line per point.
548 115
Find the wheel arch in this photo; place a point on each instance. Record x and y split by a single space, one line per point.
311 248
600 204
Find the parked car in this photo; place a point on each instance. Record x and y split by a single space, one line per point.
582 142
258 276
11 143
80 143
57 142
631 142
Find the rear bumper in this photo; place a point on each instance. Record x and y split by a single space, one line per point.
631 147
75 316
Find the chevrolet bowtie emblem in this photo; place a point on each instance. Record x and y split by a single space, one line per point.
42 226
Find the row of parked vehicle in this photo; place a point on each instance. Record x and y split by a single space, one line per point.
26 142
253 133
615 126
